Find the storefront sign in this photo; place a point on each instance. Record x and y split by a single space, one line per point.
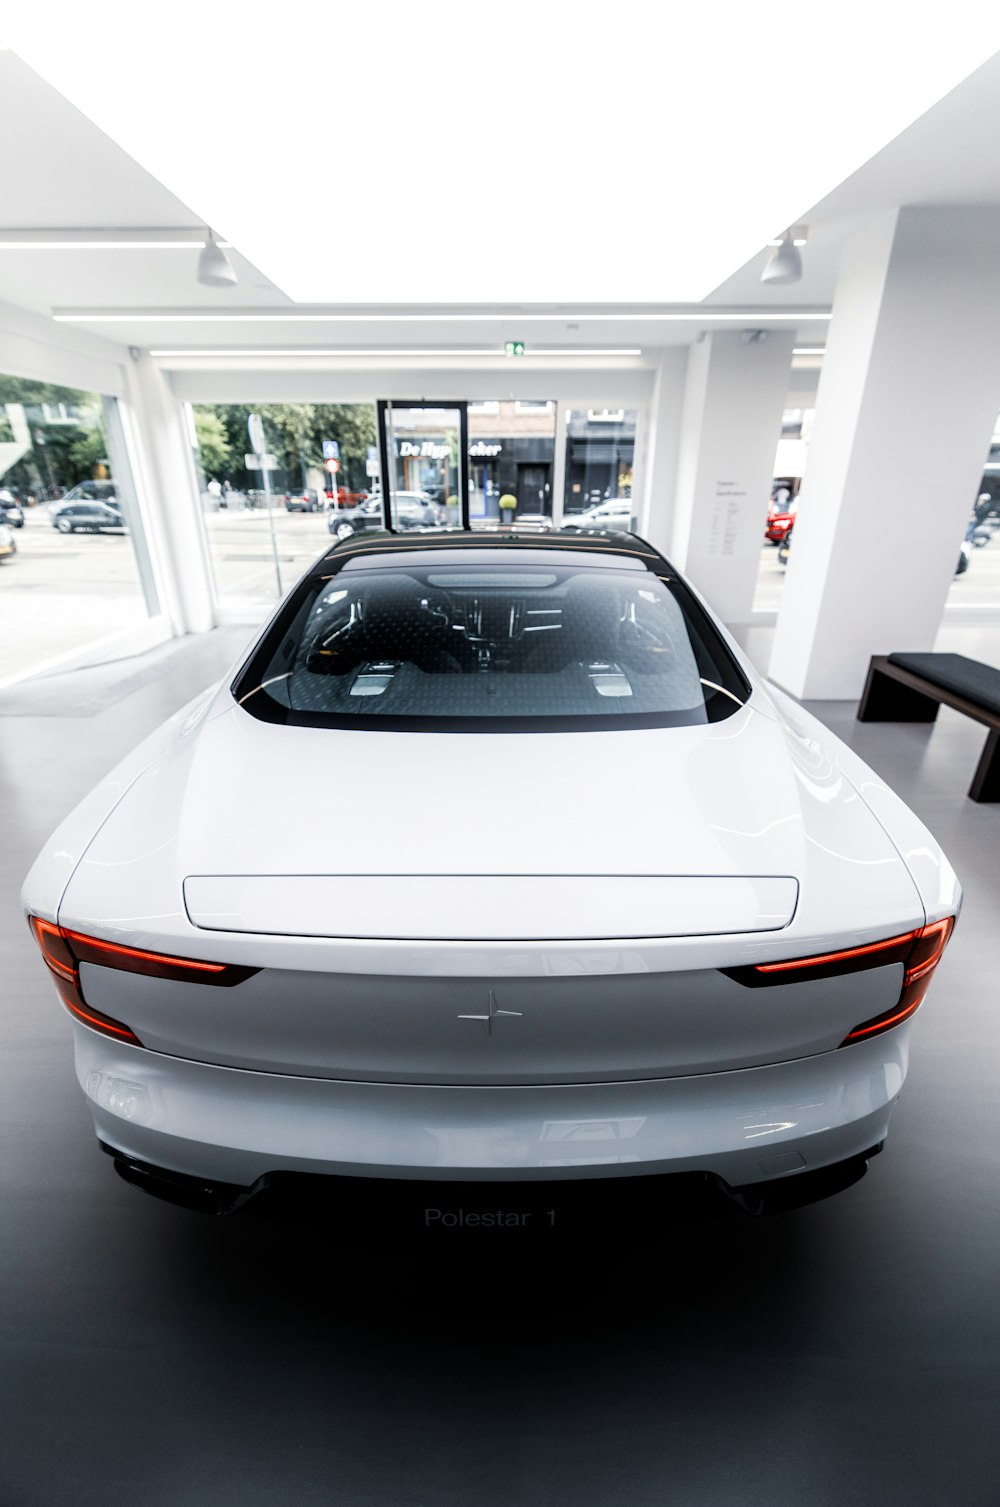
482 451
429 450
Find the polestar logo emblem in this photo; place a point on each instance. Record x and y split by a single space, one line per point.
493 1014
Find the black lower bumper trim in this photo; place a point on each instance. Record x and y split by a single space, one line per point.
180 1188
374 1202
800 1188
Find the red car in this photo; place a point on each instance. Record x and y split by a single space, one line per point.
780 518
346 499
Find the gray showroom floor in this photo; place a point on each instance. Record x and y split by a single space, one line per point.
840 1356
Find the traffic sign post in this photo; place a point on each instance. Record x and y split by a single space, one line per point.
264 463
331 460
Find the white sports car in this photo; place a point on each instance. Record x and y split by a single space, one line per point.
458 970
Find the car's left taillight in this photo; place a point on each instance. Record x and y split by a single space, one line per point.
64 950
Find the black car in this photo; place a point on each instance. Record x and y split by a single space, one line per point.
410 510
11 511
91 517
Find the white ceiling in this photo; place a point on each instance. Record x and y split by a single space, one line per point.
456 153
59 169
948 156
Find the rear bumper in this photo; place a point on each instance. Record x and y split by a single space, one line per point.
749 1127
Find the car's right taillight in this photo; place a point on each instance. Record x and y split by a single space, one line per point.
919 965
919 952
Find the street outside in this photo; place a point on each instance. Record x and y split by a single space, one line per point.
242 555
61 591
979 586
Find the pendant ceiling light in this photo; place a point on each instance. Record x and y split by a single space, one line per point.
784 265
215 269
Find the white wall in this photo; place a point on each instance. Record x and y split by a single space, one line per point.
731 421
626 386
37 348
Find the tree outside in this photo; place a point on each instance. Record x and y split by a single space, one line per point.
213 443
295 433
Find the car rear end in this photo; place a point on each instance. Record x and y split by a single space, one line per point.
468 980
256 1052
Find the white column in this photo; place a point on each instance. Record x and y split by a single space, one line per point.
559 465
905 409
168 489
658 473
737 382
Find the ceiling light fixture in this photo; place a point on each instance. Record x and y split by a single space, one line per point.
215 270
375 352
104 239
809 350
784 265
696 315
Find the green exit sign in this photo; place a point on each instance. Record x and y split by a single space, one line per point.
513 348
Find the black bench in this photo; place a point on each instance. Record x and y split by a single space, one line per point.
911 687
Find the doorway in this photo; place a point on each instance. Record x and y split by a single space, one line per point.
423 450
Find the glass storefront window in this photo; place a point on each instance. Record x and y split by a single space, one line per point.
976 583
511 454
72 553
326 472
977 574
600 454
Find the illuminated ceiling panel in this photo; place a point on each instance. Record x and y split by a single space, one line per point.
526 153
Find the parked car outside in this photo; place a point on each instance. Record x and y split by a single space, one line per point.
91 517
780 520
87 491
343 498
614 513
11 511
410 510
8 544
305 500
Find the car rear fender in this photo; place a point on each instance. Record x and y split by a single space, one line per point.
50 874
936 881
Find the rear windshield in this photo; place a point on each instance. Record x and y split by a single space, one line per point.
492 647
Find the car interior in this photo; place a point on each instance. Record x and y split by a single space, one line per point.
454 642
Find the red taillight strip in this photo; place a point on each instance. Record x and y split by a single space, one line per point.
86 949
62 964
883 1022
50 939
64 950
98 947
918 951
904 939
71 998
940 929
